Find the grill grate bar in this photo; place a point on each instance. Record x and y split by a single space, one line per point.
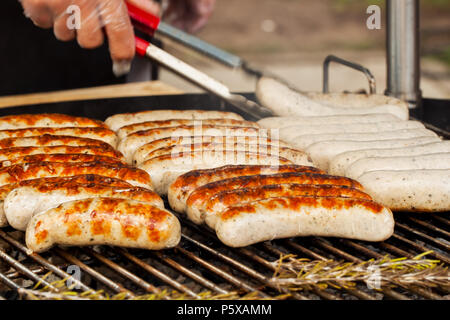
441 219
420 248
94 273
389 292
162 276
429 226
419 291
226 276
42 261
354 291
25 271
423 235
122 271
199 279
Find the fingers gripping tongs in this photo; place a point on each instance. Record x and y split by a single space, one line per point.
151 24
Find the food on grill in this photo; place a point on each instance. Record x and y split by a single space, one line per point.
61 157
117 121
212 207
99 133
322 152
46 120
436 161
296 156
201 194
48 140
24 202
53 182
166 168
304 141
180 190
290 132
340 163
409 190
284 101
142 153
282 122
27 171
18 152
132 142
103 221
282 217
126 130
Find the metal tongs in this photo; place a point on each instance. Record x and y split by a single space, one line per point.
151 25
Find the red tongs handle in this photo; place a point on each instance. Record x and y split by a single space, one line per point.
143 20
141 46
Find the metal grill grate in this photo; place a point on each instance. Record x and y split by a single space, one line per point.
201 263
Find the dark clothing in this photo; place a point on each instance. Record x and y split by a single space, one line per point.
33 60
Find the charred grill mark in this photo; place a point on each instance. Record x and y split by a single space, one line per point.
32 119
298 202
206 191
17 152
232 197
46 139
149 132
75 131
59 157
19 172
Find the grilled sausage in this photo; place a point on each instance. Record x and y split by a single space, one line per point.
48 140
284 101
27 171
304 141
46 120
180 190
340 163
165 169
285 217
201 194
213 206
435 161
132 142
103 221
282 122
126 130
18 152
409 190
103 134
142 153
322 152
117 121
296 156
90 179
290 132
55 157
24 202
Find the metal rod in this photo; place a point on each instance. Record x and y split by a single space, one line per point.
194 276
403 51
94 273
25 271
122 271
44 262
199 45
350 64
162 276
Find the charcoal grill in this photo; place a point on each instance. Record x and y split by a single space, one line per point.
201 263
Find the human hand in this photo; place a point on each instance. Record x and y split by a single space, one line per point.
86 20
189 15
